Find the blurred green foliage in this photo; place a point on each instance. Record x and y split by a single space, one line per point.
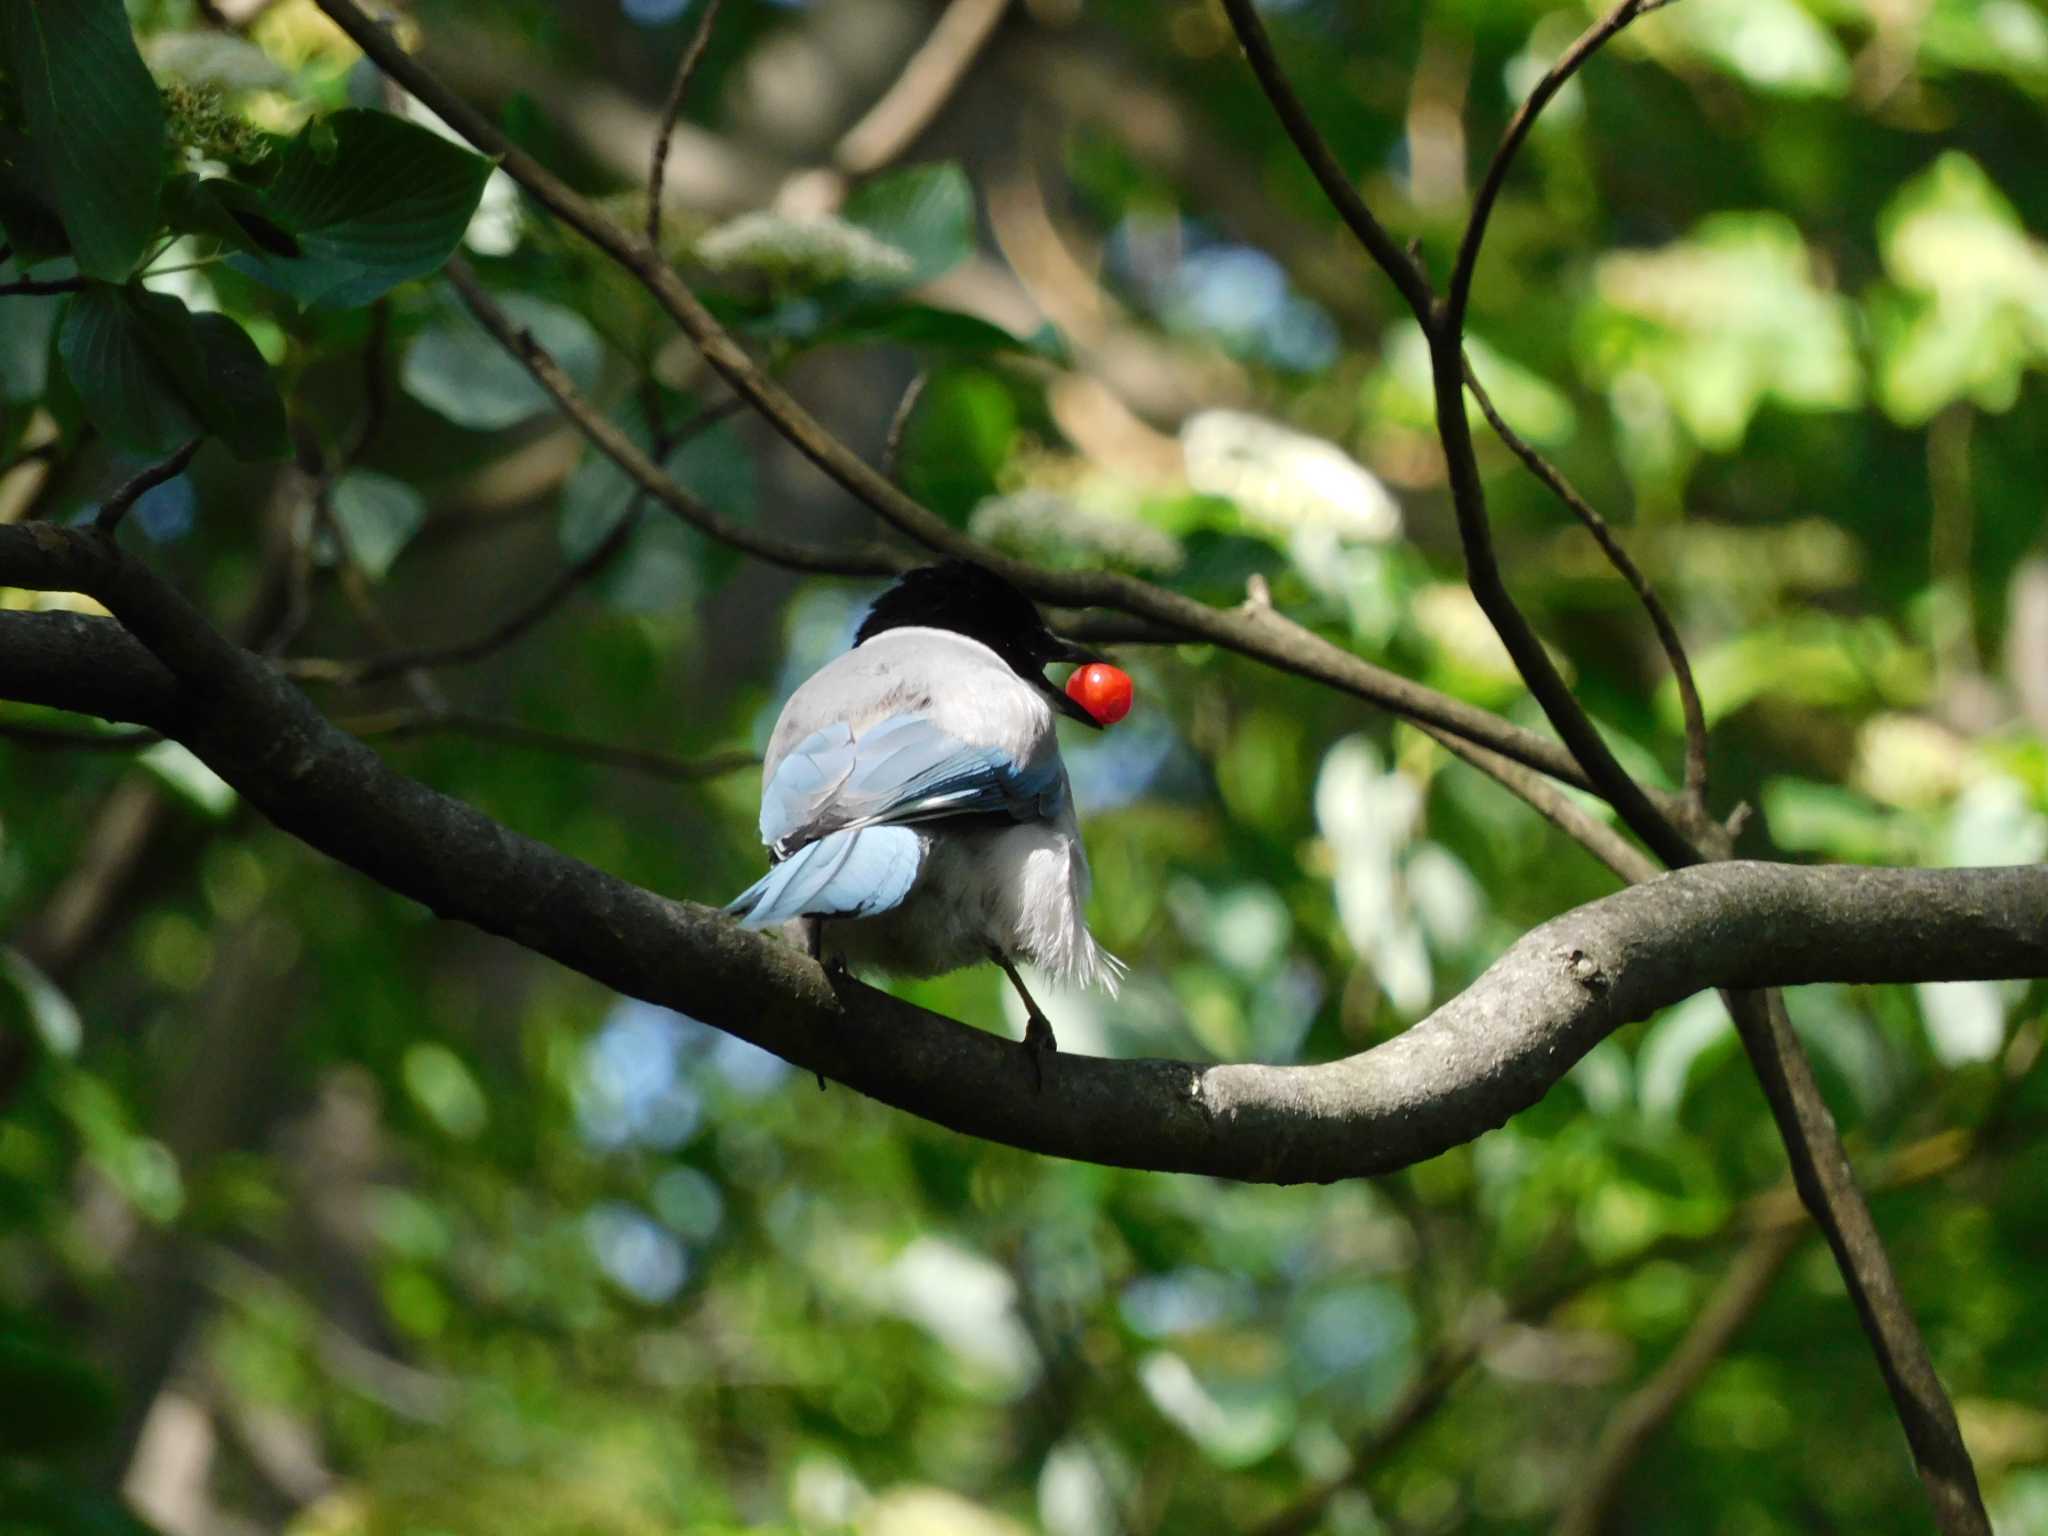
317 1216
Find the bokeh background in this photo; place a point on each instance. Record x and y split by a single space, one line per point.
318 1216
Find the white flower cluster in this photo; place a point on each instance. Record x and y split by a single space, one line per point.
1286 480
813 249
1042 522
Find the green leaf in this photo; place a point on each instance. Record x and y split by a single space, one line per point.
1721 321
31 1003
664 565
378 516
28 208
224 210
95 121
958 438
458 370
372 200
940 330
926 212
113 343
50 1400
25 343
241 405
152 374
1970 312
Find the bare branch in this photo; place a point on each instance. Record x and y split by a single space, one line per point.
1827 1185
1402 269
1587 44
116 506
402 725
671 110
515 625
1618 557
608 439
1552 804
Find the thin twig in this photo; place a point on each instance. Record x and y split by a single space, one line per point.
116 506
671 110
1554 806
605 436
1587 44
376 382
1618 557
1634 1426
400 725
1402 269
372 669
899 424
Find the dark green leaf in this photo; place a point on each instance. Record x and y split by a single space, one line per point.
940 330
926 211
958 439
95 122
49 1400
240 405
121 350
224 210
378 516
25 344
459 371
372 201
28 208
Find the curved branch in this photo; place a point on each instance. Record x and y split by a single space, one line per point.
1491 1051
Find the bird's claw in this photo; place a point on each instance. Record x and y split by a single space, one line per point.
1038 1044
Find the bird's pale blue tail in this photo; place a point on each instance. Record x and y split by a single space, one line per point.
854 872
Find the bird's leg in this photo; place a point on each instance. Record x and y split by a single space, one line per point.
814 941
1038 1036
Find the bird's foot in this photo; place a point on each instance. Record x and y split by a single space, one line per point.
1038 1044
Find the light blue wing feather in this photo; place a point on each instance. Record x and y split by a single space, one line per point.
902 769
854 872
838 812
807 777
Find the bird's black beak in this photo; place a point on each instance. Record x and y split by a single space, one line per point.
1069 654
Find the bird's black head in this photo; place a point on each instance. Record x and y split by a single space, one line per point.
972 600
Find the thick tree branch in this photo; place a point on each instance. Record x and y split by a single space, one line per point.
1480 1058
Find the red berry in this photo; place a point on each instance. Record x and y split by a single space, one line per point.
1104 691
